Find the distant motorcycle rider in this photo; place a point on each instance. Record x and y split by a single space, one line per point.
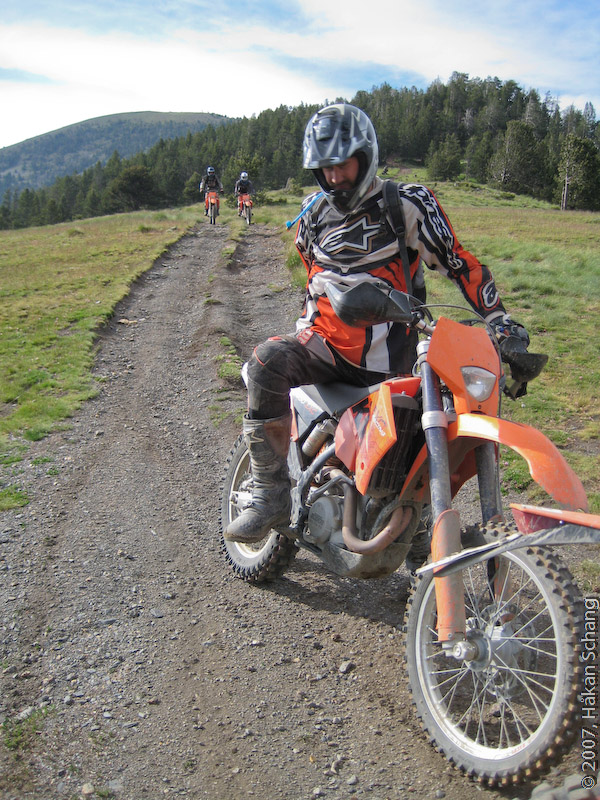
346 238
243 185
212 182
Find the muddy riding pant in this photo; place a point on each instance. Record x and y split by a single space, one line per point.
283 362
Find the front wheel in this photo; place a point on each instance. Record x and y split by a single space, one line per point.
248 214
213 213
512 710
261 561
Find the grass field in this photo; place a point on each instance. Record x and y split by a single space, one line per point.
59 283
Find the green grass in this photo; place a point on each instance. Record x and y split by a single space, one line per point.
58 285
17 741
229 364
19 735
11 497
587 572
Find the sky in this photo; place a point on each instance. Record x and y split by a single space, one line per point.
67 61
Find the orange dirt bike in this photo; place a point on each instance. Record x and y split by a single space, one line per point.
494 623
213 206
245 201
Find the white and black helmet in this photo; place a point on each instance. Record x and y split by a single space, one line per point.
243 176
332 136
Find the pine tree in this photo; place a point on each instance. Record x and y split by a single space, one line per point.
579 174
444 162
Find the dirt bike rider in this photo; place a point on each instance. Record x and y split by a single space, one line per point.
345 239
210 182
243 185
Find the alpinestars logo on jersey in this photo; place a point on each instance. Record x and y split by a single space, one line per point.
489 295
356 238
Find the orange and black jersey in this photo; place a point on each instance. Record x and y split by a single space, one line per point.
362 246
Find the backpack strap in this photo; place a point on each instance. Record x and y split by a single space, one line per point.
392 205
313 214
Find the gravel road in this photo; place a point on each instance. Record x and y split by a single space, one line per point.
132 662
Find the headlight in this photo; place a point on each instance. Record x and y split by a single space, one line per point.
479 382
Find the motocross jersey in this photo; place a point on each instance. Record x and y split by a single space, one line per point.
362 246
211 182
243 187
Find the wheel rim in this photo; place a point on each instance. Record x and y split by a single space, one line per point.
500 703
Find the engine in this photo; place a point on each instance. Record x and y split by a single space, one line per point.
325 519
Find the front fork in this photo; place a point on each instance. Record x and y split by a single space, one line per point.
449 592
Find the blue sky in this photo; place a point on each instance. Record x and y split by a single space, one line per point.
71 60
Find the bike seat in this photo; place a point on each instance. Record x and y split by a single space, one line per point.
337 397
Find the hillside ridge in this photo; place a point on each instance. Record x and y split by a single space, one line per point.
40 160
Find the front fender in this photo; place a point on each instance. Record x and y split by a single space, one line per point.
546 464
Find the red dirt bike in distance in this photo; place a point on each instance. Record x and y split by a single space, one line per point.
213 206
245 202
493 626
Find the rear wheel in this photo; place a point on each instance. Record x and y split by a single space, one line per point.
511 711
261 561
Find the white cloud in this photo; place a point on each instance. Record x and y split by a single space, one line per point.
96 75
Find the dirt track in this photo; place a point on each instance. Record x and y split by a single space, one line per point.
160 674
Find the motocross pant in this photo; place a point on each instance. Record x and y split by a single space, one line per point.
283 362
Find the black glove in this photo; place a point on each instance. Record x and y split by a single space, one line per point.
510 334
513 340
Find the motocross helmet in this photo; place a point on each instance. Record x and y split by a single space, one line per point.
243 176
332 136
210 170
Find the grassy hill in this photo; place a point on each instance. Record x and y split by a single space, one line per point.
39 161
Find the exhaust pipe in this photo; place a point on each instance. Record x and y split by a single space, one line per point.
398 523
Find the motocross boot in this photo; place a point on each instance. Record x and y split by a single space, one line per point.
268 443
421 543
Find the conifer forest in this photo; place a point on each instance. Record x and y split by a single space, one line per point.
482 130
